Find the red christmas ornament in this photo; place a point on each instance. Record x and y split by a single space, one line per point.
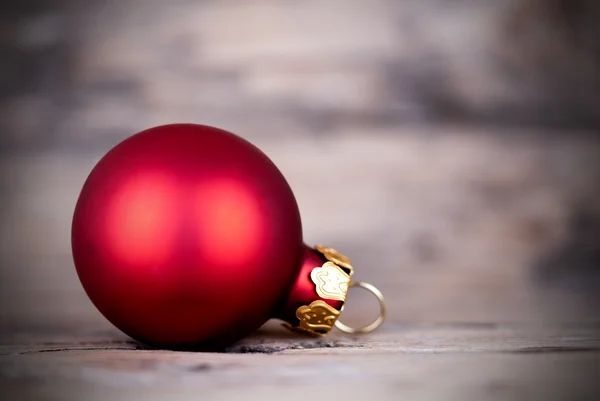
189 236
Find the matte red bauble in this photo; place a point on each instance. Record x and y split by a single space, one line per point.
187 236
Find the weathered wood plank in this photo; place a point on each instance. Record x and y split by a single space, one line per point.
456 362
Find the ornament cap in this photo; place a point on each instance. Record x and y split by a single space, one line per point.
319 294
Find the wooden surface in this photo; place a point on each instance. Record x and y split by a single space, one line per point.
400 362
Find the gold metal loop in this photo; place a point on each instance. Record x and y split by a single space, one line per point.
370 327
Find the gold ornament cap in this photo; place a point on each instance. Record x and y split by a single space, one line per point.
319 294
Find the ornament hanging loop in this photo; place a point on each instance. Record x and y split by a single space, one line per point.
382 309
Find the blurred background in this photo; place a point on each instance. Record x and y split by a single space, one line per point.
449 147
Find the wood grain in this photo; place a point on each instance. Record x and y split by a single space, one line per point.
449 362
